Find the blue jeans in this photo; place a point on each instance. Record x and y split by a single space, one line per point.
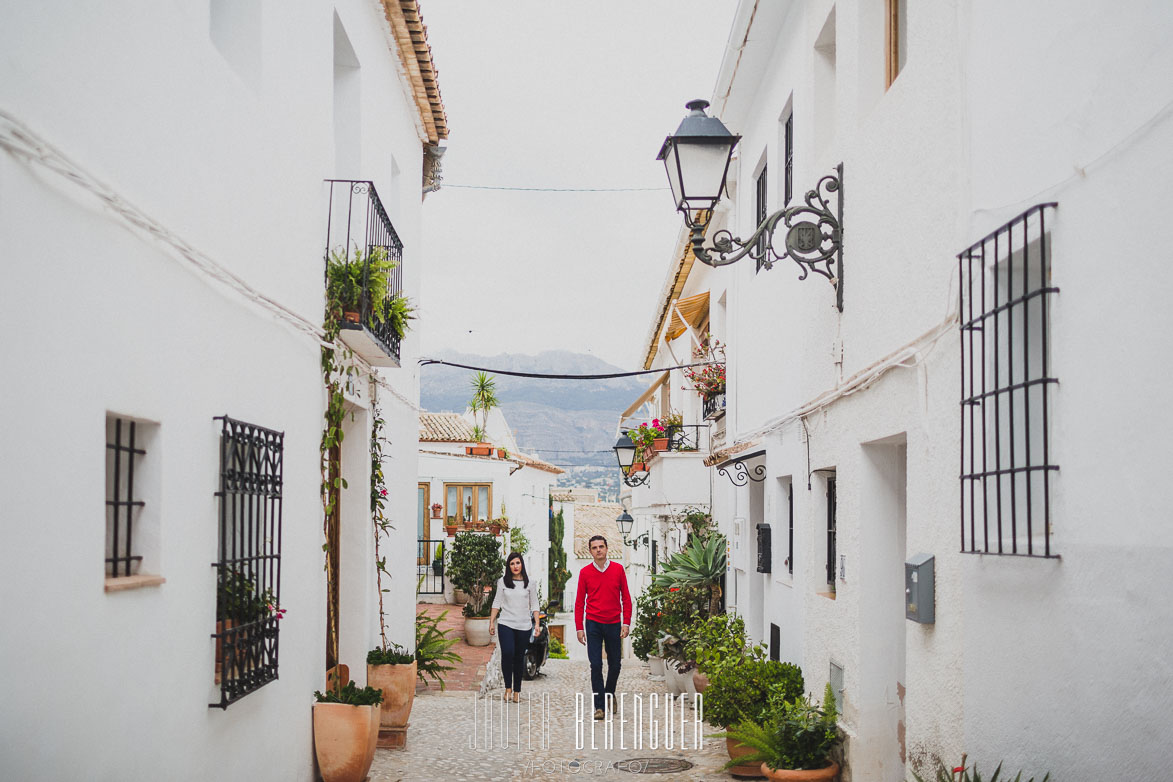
598 636
513 646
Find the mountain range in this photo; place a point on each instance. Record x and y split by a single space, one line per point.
563 421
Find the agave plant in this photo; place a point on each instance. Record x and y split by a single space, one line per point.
700 564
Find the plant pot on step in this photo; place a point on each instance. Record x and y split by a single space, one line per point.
476 630
743 770
459 595
825 774
398 685
495 529
350 316
344 740
656 673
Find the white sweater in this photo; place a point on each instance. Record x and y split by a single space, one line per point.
517 605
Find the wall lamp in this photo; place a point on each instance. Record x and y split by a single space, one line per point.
697 160
625 454
624 523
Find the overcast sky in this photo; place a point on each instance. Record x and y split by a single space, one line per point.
559 94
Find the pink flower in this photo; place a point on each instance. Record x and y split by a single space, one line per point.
382 492
656 422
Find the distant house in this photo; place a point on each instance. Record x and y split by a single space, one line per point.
464 484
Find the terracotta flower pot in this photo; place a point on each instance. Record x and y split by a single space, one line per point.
744 770
824 774
351 317
436 510
344 740
460 596
660 443
450 531
398 685
495 529
699 681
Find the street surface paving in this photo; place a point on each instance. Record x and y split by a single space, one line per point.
442 743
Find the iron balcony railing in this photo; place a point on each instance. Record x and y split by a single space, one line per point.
713 406
685 437
360 236
429 567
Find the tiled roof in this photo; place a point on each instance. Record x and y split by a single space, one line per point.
445 428
533 461
597 519
411 37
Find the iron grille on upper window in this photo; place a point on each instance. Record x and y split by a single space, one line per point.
122 503
788 143
790 528
1006 384
831 509
248 595
759 216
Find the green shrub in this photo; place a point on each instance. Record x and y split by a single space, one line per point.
971 774
557 650
396 655
719 642
475 563
745 691
351 695
433 648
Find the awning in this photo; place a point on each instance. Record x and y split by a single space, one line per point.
645 396
743 468
695 310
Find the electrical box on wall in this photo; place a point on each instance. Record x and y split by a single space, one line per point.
919 589
764 553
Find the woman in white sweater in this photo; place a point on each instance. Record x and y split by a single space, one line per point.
517 602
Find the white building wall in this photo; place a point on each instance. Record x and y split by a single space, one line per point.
994 112
145 101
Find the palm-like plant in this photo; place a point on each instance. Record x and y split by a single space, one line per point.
700 564
484 397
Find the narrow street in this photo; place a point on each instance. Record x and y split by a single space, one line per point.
441 743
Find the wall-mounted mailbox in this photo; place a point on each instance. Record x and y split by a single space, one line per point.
919 589
765 554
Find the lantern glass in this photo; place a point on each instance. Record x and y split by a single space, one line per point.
624 452
624 523
702 167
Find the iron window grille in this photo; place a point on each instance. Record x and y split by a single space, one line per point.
790 529
788 144
765 550
713 406
122 507
760 216
831 503
775 642
357 220
1006 383
248 595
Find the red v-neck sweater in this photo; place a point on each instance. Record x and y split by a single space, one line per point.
601 595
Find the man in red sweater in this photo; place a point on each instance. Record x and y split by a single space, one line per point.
602 597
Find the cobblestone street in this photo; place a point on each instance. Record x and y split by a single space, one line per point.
447 740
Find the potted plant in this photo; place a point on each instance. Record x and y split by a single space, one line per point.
707 380
438 560
742 691
701 564
354 281
484 399
393 670
646 631
474 565
437 509
243 606
346 729
450 526
433 648
795 739
644 438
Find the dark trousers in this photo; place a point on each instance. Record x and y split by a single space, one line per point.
598 636
513 646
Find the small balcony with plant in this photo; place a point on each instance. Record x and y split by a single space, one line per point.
672 453
365 301
708 380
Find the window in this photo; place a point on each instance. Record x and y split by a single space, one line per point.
1006 383
468 502
131 504
248 589
790 528
788 156
759 216
831 503
775 641
895 39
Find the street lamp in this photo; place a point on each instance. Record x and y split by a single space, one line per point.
624 522
625 454
697 162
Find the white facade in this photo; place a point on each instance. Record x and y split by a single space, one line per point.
219 123
1047 664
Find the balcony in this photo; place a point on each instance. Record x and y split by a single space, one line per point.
364 275
713 407
677 476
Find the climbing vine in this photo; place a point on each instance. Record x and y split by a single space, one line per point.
382 524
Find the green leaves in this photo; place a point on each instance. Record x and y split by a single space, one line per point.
433 648
351 695
396 655
475 563
700 564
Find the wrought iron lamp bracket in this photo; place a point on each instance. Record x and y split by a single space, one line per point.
813 238
634 542
634 478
